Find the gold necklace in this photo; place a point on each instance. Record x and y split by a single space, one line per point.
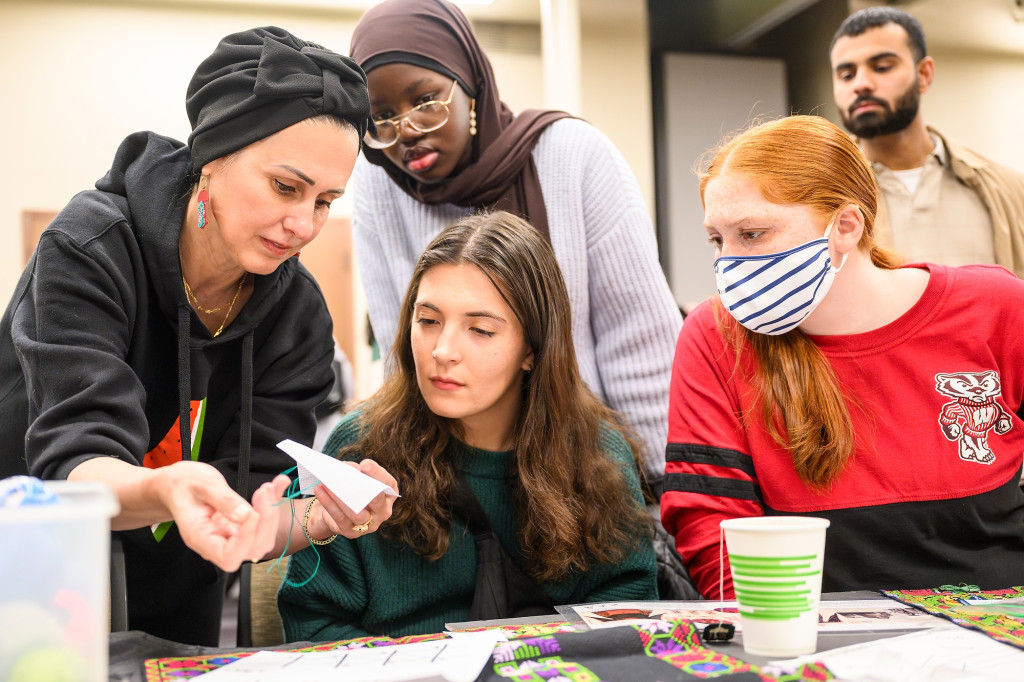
209 311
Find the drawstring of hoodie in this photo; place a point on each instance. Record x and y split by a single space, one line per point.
245 430
185 392
184 381
245 425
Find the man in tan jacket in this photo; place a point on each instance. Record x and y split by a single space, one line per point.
941 202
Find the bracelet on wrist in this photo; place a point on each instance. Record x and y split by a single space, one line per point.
305 528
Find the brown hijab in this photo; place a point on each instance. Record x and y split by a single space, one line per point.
437 35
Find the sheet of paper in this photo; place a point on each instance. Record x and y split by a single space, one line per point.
833 616
937 655
492 635
348 484
445 660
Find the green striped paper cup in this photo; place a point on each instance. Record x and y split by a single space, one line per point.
776 571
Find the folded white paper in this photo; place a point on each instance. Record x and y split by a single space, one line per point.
937 655
447 660
348 484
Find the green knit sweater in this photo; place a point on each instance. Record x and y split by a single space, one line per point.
371 586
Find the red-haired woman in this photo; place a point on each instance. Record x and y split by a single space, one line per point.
826 379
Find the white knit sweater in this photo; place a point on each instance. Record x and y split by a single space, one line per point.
624 318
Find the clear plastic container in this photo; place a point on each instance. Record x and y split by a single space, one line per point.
55 586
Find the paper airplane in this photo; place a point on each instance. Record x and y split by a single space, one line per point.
348 484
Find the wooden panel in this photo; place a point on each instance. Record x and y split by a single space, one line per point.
329 257
32 225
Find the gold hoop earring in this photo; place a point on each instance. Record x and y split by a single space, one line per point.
472 117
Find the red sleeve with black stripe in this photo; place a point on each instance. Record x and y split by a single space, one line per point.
709 472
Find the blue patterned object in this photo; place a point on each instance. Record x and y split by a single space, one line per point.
24 491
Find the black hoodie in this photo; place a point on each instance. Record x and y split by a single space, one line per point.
101 353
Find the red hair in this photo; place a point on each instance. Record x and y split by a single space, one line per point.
808 161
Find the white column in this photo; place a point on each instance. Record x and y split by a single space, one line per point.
560 45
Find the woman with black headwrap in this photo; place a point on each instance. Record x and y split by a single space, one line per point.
446 145
163 338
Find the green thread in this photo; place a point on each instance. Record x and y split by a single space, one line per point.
962 587
292 493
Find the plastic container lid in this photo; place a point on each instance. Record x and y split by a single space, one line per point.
75 499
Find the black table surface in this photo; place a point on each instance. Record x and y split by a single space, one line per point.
129 650
734 648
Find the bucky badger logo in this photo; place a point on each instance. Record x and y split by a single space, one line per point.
972 413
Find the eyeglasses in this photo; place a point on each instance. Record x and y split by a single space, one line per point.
425 118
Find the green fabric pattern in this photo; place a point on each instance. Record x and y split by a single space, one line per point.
954 603
371 586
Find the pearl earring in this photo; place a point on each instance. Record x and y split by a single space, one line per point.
472 117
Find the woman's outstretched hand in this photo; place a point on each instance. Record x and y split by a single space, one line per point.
215 522
220 526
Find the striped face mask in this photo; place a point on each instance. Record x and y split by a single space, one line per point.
774 293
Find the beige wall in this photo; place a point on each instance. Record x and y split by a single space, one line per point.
977 95
90 73
616 88
977 99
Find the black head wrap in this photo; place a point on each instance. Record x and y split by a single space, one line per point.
263 80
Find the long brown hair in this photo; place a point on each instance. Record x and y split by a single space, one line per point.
803 160
573 501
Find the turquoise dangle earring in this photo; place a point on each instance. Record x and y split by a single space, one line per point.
204 199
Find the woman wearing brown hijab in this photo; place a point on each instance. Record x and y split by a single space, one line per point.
446 146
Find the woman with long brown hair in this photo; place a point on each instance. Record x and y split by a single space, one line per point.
828 379
483 388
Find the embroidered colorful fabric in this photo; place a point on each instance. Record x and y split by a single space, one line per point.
180 668
521 631
555 651
949 603
635 652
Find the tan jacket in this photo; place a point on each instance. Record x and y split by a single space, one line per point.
1001 190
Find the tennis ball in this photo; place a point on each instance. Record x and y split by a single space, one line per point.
26 626
50 664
